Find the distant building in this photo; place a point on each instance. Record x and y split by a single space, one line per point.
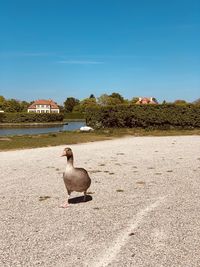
44 106
147 100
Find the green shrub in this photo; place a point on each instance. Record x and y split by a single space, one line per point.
2 117
30 117
145 116
73 115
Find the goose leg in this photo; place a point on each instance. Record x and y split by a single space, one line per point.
85 196
66 203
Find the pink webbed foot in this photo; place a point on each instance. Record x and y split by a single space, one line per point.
65 205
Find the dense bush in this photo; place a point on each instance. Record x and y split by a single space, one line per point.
73 115
30 117
145 116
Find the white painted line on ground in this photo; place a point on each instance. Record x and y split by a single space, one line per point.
106 257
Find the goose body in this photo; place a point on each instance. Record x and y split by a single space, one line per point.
75 179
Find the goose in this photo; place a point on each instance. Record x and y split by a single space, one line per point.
75 179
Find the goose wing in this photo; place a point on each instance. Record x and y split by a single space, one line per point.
77 180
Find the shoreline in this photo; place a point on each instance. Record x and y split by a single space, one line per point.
2 125
20 142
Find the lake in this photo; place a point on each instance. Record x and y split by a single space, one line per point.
71 126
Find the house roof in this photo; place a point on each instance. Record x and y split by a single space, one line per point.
44 102
147 100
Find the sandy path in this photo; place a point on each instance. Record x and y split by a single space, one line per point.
145 207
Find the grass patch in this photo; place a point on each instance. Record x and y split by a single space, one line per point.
52 135
75 137
141 183
131 234
42 198
95 171
120 190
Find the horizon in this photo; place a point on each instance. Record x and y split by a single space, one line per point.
129 99
59 49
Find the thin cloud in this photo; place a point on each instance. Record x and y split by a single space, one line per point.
80 62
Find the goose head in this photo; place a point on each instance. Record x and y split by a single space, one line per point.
67 152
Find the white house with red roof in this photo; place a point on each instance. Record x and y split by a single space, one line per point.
44 106
147 100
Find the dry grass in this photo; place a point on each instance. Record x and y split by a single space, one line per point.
42 198
141 183
120 190
44 140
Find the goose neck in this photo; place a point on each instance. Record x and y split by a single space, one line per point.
70 161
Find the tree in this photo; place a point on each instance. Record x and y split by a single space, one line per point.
134 100
2 102
197 102
70 103
85 103
92 96
12 105
117 96
180 102
106 100
24 106
61 108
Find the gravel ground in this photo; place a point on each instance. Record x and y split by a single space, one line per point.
143 208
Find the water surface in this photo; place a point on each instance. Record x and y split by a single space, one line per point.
71 126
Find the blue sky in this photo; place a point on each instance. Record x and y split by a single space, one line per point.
61 48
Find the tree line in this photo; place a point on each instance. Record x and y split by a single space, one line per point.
72 104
